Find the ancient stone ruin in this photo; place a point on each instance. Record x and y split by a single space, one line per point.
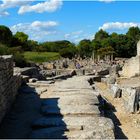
67 103
70 107
9 84
132 65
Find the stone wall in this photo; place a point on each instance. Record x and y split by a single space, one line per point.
132 66
9 84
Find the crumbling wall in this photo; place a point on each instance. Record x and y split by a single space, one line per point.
9 84
132 67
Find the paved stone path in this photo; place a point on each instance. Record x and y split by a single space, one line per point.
71 110
66 109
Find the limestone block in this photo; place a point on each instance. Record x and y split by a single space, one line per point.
116 91
71 100
71 110
138 48
87 122
131 67
131 97
111 80
62 132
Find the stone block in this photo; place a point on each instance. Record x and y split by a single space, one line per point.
116 91
111 80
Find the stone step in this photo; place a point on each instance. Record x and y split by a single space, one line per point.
71 110
49 133
88 91
70 100
84 123
67 95
63 133
90 134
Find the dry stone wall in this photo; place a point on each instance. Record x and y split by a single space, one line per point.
9 84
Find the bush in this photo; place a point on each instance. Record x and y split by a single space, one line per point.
15 50
4 50
19 60
68 52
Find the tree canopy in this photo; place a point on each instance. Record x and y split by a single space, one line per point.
5 35
85 48
121 45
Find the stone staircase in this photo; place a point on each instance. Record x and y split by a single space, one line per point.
71 111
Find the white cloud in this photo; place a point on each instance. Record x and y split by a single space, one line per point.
36 30
107 1
24 6
75 34
118 25
47 6
67 36
13 3
39 24
10 4
4 13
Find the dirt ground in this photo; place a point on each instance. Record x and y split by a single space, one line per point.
127 125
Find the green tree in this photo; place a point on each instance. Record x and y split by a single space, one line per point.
121 46
134 34
101 34
4 49
20 39
85 48
105 51
68 52
32 45
55 46
5 35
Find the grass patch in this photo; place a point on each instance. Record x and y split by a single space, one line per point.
41 56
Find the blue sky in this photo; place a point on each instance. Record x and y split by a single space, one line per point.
51 20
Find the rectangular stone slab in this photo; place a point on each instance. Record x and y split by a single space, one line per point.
62 133
85 122
70 100
90 134
71 110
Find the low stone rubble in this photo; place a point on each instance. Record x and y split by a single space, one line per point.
129 91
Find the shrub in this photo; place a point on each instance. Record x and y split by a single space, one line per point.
15 50
68 52
4 49
19 60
